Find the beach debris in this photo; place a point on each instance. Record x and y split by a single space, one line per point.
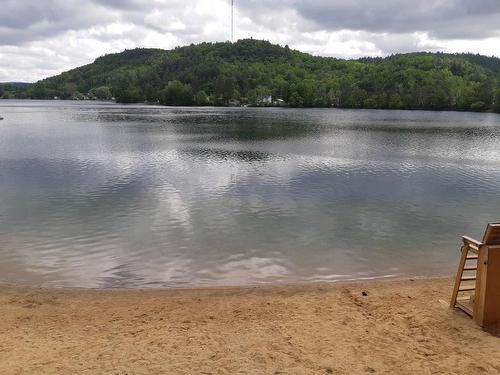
364 293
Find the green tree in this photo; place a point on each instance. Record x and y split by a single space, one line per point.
201 98
295 100
130 95
175 93
496 104
101 93
224 89
260 96
478 106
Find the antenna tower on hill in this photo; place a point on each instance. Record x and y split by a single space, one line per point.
232 20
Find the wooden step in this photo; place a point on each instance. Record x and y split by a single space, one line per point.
473 250
466 288
468 278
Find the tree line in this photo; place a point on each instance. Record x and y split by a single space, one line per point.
257 72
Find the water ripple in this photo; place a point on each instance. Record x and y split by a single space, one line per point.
103 195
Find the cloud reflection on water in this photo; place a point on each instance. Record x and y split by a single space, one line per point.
178 201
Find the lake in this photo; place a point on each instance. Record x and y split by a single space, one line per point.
104 195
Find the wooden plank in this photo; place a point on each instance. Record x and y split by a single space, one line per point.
473 249
489 314
460 272
466 288
492 234
482 277
465 306
468 278
471 241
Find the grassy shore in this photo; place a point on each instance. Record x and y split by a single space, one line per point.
397 327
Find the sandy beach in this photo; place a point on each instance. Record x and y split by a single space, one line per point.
397 327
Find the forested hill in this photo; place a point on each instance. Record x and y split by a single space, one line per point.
259 73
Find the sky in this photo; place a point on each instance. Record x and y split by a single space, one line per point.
41 38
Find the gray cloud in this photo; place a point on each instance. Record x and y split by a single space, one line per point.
447 19
41 38
440 18
28 20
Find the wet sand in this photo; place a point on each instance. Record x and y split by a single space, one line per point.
397 327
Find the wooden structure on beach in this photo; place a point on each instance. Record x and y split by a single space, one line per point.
477 284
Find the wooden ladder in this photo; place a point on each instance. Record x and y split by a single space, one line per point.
467 273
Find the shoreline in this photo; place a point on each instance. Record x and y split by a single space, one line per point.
489 111
268 285
382 326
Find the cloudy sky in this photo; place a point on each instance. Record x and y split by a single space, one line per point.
40 38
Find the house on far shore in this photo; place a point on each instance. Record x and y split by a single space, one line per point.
268 100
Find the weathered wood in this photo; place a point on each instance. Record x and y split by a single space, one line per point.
484 304
471 241
458 278
466 306
466 288
468 278
487 307
472 268
492 234
479 293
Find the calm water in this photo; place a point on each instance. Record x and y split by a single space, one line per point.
105 195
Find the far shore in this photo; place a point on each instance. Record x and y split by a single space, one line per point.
254 106
400 327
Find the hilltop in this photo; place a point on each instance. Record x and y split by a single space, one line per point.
259 73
